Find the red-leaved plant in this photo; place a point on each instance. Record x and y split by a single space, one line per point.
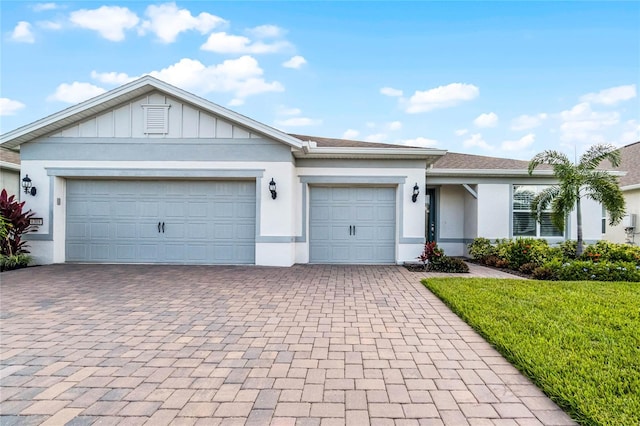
430 252
19 224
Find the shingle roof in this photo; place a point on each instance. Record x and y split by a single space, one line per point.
452 160
9 156
631 164
346 143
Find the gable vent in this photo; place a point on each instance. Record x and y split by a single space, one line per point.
156 118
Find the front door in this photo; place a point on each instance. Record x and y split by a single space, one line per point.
431 215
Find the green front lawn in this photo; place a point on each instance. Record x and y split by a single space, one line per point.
578 341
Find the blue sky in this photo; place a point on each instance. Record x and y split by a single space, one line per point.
503 79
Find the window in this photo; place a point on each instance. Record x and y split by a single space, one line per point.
604 220
156 118
524 223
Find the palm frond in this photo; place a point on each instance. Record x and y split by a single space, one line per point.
604 188
596 154
543 200
553 158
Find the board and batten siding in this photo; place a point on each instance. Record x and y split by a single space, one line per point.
127 121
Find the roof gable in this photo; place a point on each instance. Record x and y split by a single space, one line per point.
129 92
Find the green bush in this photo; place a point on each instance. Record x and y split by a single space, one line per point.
568 249
480 249
604 270
17 261
603 250
448 264
525 250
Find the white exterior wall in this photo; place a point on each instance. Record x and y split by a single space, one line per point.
494 210
616 234
451 219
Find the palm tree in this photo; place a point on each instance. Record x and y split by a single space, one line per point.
576 181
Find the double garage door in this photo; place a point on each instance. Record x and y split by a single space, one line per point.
352 225
212 222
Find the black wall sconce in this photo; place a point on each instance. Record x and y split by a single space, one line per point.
272 189
28 186
416 191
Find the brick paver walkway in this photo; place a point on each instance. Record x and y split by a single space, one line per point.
316 345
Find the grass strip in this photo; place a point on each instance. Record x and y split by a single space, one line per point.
579 341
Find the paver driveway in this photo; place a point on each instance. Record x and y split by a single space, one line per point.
326 345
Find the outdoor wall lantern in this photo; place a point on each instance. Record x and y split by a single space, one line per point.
28 186
416 191
272 189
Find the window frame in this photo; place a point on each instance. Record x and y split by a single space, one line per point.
538 226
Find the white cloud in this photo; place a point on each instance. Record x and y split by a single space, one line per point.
461 132
166 21
41 7
486 120
298 122
476 141
441 97
22 33
520 144
390 91
350 134
75 92
111 77
236 102
525 122
288 111
49 25
582 124
241 76
395 125
376 137
266 31
631 132
419 142
10 106
295 62
612 95
233 44
110 22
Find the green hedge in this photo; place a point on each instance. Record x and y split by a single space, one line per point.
602 261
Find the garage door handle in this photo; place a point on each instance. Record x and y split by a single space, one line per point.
354 230
350 229
163 227
158 227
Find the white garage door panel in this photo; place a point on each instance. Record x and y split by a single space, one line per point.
117 221
334 215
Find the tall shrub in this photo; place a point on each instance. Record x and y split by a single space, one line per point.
19 224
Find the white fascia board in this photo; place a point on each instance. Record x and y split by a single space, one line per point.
630 187
130 91
369 153
9 166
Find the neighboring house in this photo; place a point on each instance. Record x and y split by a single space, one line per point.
628 231
10 171
149 173
471 196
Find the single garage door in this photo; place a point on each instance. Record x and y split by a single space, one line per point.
352 225
198 222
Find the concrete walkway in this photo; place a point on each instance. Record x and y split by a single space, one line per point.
306 345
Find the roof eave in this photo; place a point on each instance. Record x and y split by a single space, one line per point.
630 187
371 153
